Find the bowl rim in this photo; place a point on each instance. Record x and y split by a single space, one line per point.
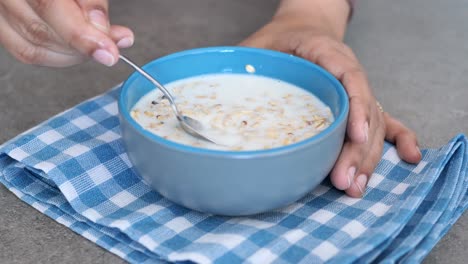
342 116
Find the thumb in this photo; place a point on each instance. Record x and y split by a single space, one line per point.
97 12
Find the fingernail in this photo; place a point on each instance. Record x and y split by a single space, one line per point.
419 153
351 173
125 43
104 57
98 19
361 182
366 131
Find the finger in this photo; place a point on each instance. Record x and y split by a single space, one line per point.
404 139
97 12
29 53
357 159
368 165
358 119
347 165
25 21
67 19
324 53
358 186
123 36
257 41
358 90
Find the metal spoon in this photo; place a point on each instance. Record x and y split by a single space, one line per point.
190 125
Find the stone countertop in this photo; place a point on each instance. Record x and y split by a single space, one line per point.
414 53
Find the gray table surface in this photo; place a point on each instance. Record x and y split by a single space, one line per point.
415 53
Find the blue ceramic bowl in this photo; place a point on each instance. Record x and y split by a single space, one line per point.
226 182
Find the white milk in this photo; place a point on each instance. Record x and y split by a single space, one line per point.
240 111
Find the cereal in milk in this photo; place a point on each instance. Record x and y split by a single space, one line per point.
240 111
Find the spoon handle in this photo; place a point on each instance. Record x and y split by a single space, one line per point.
160 86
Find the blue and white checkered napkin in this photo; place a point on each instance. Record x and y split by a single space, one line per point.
74 169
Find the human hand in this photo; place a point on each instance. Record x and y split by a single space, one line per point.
61 33
367 126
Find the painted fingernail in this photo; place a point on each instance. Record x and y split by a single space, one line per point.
125 43
99 20
351 173
366 131
104 57
361 182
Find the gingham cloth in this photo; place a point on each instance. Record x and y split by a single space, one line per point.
74 169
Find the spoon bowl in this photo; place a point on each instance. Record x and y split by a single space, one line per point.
194 128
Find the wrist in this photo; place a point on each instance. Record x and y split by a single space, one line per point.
328 17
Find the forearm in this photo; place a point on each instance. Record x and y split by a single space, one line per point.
327 15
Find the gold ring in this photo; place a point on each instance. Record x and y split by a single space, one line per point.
379 106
